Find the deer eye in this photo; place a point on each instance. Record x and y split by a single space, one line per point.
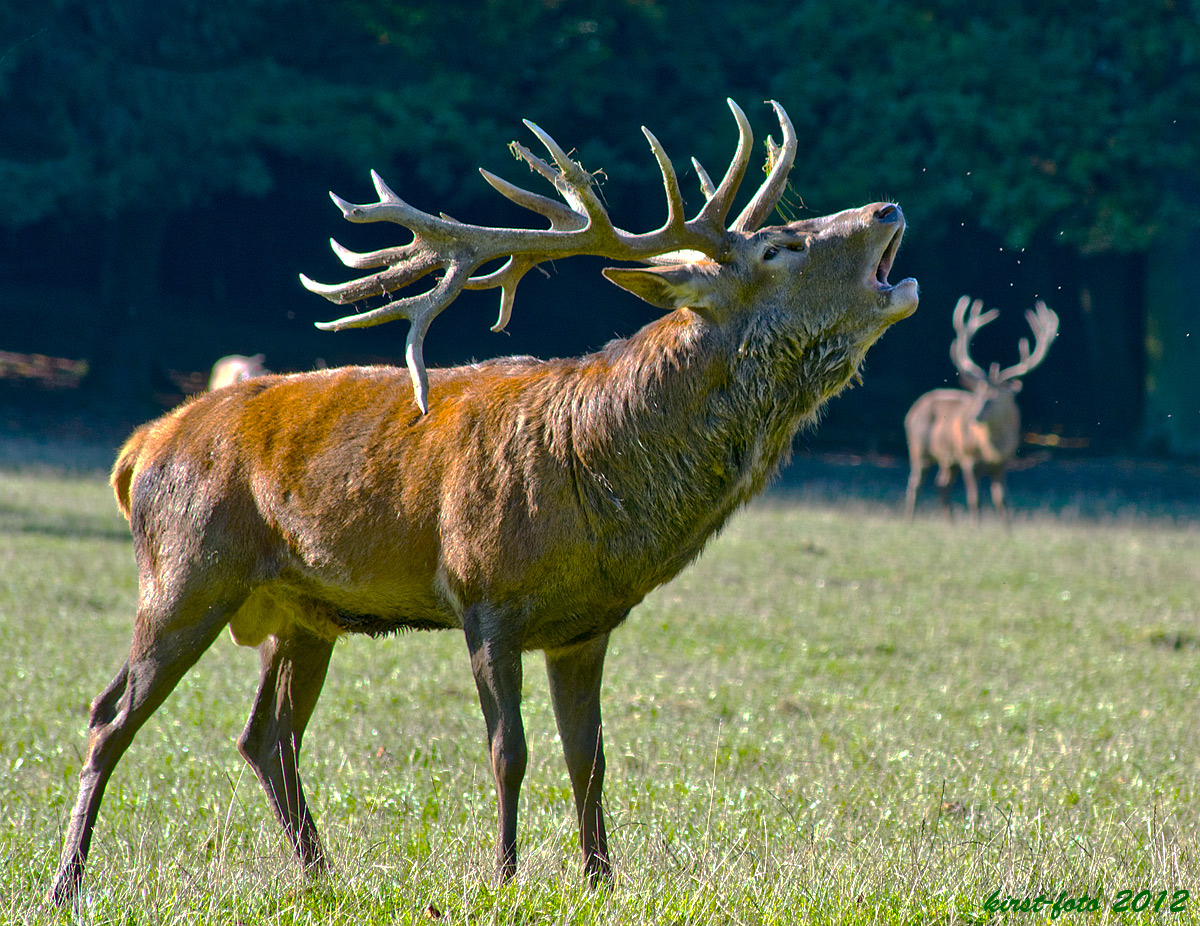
771 251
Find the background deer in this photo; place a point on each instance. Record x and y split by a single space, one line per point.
528 505
235 368
979 427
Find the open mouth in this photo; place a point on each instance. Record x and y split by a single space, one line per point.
884 266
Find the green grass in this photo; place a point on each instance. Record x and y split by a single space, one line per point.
833 717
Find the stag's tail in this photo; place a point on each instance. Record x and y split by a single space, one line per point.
127 463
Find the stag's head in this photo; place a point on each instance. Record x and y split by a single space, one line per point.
823 279
819 286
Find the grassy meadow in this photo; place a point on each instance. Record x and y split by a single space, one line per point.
832 717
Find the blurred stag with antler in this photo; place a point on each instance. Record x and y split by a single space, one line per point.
977 429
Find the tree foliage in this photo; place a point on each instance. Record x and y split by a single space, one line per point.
1073 130
1035 116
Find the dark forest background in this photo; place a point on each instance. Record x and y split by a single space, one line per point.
164 166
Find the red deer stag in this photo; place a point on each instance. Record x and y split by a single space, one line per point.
234 369
977 427
528 505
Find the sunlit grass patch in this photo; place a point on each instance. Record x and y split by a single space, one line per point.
833 717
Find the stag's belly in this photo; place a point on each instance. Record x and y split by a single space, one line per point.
281 609
297 603
555 606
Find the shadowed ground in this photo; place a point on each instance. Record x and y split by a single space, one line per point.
1069 486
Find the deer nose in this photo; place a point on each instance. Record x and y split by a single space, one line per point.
888 214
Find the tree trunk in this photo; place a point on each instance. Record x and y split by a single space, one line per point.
1110 300
121 364
1172 344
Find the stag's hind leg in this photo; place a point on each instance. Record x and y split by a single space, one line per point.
293 671
916 473
575 675
164 647
971 483
999 494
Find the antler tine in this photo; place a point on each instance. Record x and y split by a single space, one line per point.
536 164
411 265
571 171
675 218
960 311
706 185
975 320
574 183
506 278
369 259
717 208
560 216
1044 323
768 194
391 208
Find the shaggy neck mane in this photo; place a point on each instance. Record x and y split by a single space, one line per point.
675 427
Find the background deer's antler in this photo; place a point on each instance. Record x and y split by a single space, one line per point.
1044 323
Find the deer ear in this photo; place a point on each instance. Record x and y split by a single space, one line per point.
669 287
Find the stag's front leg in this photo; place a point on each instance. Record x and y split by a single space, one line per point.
493 642
971 482
575 692
293 671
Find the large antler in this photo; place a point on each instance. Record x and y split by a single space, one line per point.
1044 323
965 327
582 226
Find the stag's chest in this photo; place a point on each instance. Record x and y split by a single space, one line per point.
1000 431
